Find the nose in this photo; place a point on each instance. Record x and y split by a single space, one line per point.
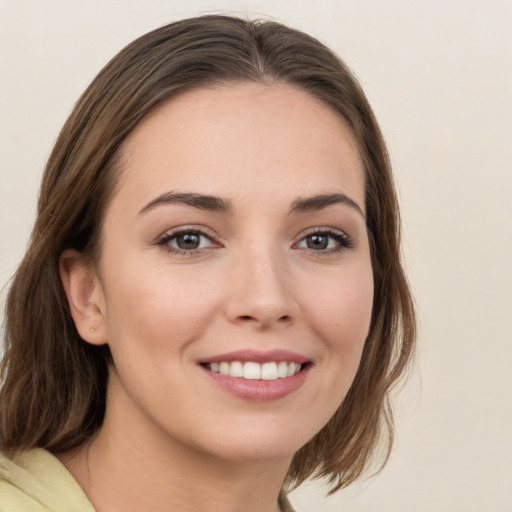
260 290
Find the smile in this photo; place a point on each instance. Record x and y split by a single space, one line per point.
258 376
251 370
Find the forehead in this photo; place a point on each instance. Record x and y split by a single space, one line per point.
242 140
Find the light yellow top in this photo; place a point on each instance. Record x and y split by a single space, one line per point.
36 481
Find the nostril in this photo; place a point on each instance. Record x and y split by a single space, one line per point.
248 318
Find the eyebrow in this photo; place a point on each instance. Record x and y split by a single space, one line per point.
319 202
201 201
217 204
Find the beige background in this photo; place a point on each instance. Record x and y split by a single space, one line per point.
439 75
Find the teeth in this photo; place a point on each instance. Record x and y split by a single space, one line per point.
236 369
293 368
269 371
252 371
256 371
282 370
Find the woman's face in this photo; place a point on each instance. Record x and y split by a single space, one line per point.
235 245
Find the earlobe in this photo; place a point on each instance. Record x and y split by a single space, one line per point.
85 296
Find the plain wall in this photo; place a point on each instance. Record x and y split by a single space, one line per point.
439 75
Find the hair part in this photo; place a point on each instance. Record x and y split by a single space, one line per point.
53 383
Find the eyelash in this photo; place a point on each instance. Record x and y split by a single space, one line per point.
342 239
167 237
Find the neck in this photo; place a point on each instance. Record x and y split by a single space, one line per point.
125 469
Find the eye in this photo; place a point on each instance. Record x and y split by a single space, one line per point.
186 241
325 240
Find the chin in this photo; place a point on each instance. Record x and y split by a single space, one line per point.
260 442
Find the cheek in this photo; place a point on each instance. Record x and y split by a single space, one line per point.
339 313
341 317
158 307
342 312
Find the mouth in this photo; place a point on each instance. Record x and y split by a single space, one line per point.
258 376
252 370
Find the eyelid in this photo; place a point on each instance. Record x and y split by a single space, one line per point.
164 239
344 240
187 228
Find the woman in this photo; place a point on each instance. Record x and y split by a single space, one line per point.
212 304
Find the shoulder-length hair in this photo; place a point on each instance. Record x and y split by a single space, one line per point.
53 383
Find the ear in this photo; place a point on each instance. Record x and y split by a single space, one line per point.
85 296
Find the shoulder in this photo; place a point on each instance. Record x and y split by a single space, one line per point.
36 481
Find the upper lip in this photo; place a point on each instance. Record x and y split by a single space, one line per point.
257 356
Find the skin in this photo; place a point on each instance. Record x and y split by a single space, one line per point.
254 283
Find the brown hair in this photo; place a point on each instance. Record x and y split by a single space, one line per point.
53 383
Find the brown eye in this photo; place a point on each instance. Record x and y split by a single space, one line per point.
317 242
188 241
325 241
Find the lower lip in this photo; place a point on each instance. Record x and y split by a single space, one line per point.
258 390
